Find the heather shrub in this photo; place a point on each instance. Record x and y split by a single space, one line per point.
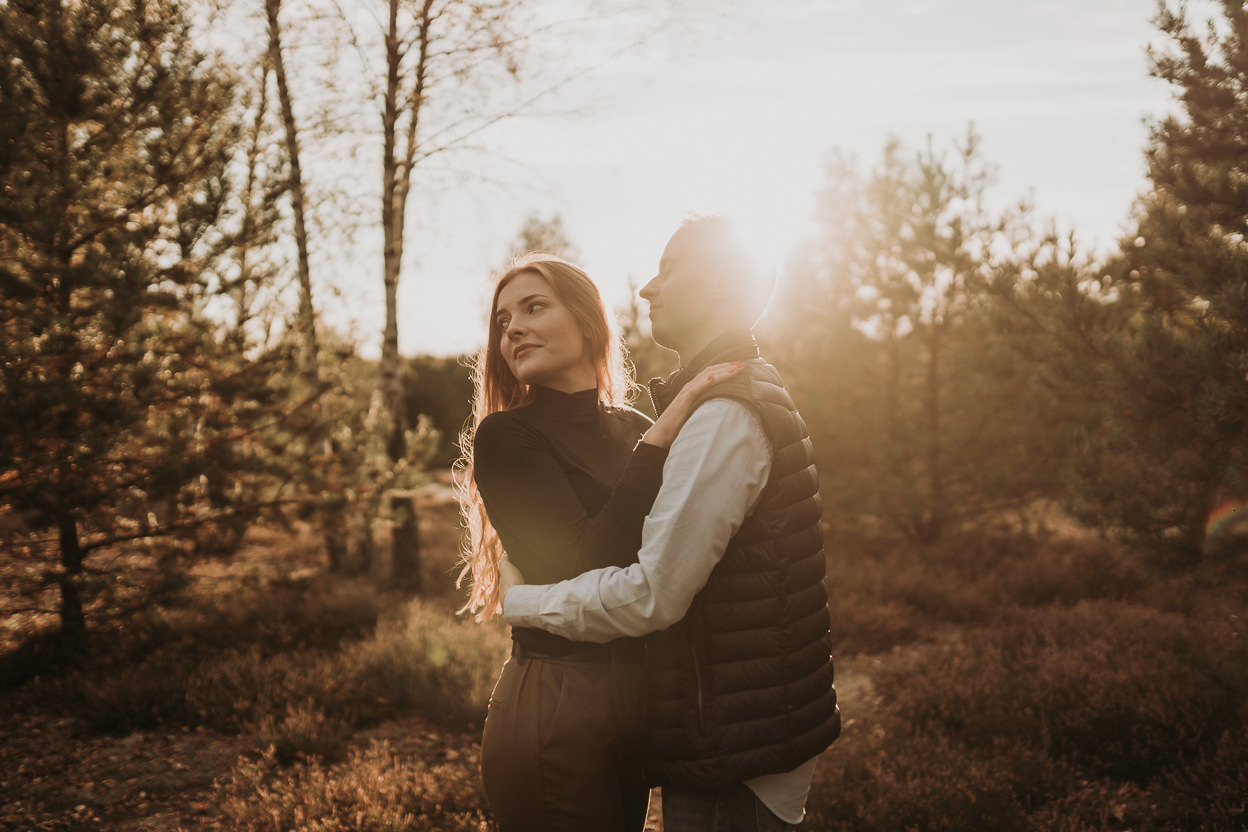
430 661
1117 690
1067 572
226 692
1203 794
137 669
947 597
238 689
868 614
1210 791
424 660
284 616
869 625
303 731
993 573
885 775
150 692
374 790
270 617
1097 716
885 596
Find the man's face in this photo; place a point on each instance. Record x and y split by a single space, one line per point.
680 309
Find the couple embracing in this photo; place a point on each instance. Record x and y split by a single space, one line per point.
663 581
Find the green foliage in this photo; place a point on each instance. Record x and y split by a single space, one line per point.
440 389
349 469
883 334
128 419
546 235
1169 449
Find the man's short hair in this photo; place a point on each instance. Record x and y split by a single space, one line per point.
725 256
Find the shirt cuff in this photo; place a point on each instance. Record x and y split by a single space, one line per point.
522 605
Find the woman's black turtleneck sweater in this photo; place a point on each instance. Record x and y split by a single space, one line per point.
566 483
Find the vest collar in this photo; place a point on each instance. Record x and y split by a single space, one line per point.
732 346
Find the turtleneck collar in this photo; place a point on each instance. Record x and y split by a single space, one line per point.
731 346
556 403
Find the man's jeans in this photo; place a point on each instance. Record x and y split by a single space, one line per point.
730 809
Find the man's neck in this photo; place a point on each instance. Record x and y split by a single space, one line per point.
696 357
687 354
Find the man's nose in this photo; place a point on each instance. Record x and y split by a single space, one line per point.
650 290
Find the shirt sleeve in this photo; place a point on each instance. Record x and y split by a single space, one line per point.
715 471
529 498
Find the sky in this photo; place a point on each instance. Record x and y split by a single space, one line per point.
738 112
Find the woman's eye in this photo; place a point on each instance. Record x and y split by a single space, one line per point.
536 305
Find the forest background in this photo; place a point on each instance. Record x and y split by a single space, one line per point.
228 542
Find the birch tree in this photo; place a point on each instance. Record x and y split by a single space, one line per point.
306 316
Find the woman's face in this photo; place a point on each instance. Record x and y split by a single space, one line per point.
539 338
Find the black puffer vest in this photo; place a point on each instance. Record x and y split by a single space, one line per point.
743 685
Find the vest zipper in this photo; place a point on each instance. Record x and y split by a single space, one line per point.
697 677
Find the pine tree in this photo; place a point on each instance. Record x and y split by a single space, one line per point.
1174 450
115 137
548 235
885 313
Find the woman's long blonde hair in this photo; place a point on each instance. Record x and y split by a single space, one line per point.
498 389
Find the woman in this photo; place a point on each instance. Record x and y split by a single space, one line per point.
560 475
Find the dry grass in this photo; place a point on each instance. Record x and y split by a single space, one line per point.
374 790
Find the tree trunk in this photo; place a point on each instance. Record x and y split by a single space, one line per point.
937 512
309 362
73 619
392 231
347 555
405 561
897 468
240 292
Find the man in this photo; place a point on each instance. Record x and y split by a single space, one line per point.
729 578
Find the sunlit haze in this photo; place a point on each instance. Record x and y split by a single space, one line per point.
738 116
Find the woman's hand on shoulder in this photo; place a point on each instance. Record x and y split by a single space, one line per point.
671 420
